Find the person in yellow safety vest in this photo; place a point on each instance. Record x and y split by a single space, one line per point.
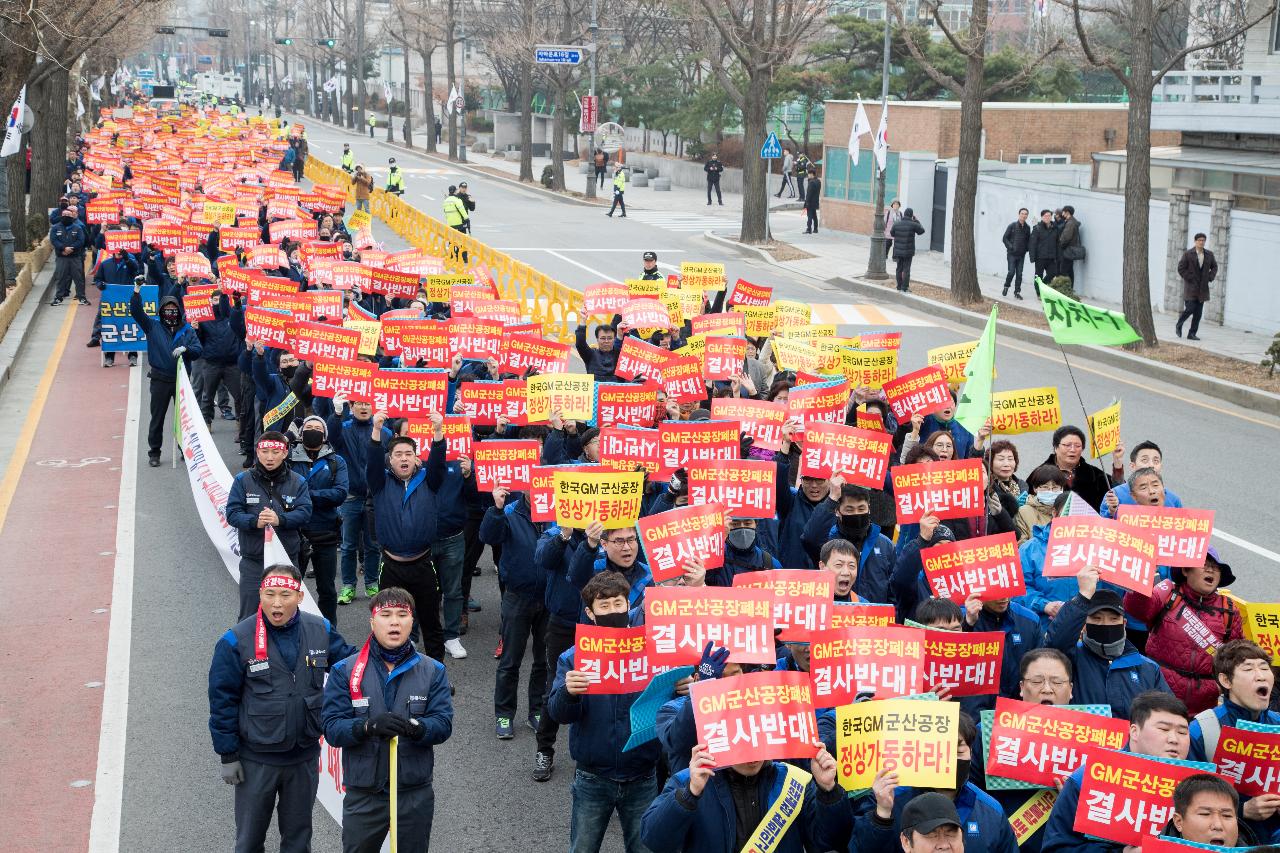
373 122
348 159
455 212
395 178
619 187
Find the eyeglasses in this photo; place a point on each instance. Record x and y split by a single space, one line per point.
1039 682
628 541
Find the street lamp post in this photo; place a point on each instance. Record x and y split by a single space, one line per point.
462 86
876 262
591 148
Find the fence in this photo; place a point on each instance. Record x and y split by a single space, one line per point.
35 261
545 300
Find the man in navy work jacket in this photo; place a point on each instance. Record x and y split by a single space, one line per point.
168 337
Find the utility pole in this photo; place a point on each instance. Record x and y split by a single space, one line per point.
875 263
462 86
594 47
360 119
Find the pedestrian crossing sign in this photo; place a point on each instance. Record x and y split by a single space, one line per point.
772 149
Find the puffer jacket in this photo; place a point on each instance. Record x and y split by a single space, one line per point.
1185 628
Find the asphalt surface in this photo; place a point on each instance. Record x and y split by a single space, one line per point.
1216 456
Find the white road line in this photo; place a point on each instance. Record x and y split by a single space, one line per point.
603 276
108 797
1247 545
581 251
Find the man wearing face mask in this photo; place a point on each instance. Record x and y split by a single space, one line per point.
69 237
613 551
325 472
846 514
279 381
119 267
742 554
1109 670
167 338
795 505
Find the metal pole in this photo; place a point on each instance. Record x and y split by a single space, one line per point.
462 86
591 148
875 263
360 117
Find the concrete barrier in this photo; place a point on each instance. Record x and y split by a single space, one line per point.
651 171
640 179
662 185
685 173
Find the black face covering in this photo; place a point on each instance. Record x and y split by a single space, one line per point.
169 317
1105 640
67 220
613 620
312 439
962 772
855 527
287 372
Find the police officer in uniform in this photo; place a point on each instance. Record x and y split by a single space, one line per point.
395 178
456 215
388 690
267 495
265 690
348 158
650 271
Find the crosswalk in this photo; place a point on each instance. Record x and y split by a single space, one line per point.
685 222
848 314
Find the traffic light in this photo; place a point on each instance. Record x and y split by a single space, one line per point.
284 41
326 42
165 31
219 34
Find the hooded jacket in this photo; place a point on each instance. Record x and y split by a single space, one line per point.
511 529
326 479
161 340
552 556
222 346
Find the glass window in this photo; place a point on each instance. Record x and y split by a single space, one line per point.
847 182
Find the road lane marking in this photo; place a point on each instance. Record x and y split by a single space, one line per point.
603 276
1247 545
108 796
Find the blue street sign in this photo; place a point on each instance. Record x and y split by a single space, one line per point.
146 73
772 149
558 54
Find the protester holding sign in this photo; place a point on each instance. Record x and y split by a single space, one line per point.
168 338
325 472
1204 812
612 551
1145 454
602 359
1242 672
1109 670
1084 479
1021 629
348 430
846 514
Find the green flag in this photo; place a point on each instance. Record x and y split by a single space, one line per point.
1074 322
975 397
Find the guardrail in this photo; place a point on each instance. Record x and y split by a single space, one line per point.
546 300
1220 87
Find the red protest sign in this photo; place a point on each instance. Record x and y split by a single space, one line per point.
946 489
231 237
294 229
1126 797
966 663
350 379
505 462
885 661
126 241
1125 555
755 717
394 283
922 391
483 402
411 393
515 401
457 436
637 358
880 340
645 314
1040 744
428 344
693 441
860 455
313 341
746 293
822 401
394 327
473 337
682 379
520 353
728 323
624 403
681 620
746 487
857 614
673 538
869 420
269 326
348 275
196 306
542 492
98 212
267 257
161 234
615 660
626 449
605 298
802 600
988 565
722 358
465 298
759 419
1250 760
1180 536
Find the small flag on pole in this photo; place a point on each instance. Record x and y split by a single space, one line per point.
861 127
881 147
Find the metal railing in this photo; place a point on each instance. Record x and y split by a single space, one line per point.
1219 87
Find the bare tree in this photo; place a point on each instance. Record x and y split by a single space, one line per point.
1131 61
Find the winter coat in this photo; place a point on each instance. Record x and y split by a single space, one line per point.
1178 620
813 194
161 341
1195 276
1016 238
1087 481
904 233
1042 245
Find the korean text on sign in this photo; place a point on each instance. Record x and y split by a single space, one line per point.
1126 797
1040 744
615 660
917 739
682 620
755 717
1125 555
801 600
950 489
884 661
673 538
988 565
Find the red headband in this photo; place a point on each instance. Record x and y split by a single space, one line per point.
272 444
389 605
280 582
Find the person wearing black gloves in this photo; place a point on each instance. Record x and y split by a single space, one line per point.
265 684
388 690
167 338
714 168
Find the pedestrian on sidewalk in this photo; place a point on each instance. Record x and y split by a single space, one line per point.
363 182
891 217
69 237
714 168
812 199
373 122
1070 244
1017 237
1043 248
601 161
1197 268
904 246
620 187
439 128
788 163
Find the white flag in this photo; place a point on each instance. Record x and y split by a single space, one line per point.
861 127
95 89
386 91
453 96
881 147
79 107
331 85
13 127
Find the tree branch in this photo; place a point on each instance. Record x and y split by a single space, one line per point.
1189 49
946 81
1096 60
1024 75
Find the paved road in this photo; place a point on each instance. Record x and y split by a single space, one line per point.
182 597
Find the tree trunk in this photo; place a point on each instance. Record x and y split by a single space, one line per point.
49 142
526 121
16 168
428 85
808 121
408 100
557 135
755 200
1137 203
964 262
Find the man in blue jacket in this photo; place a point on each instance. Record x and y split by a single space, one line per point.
388 690
218 366
615 551
267 495
1021 631
607 779
265 684
1145 454
405 511
1109 670
348 426
69 237
795 507
325 473
846 514
524 615
167 338
742 553
1157 727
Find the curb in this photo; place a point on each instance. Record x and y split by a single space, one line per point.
15 338
1231 392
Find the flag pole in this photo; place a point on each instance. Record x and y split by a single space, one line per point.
394 795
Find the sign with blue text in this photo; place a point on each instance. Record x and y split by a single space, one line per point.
772 149
558 54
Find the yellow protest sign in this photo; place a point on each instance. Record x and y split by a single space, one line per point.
916 737
760 319
871 368
359 220
675 307
572 394
694 345
809 331
644 287
1262 625
702 276
797 355
370 333
584 495
952 359
1027 410
218 213
690 302
791 314
440 287
1104 430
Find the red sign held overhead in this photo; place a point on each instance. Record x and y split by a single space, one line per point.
885 661
1181 536
505 462
637 358
673 538
950 489
922 391
759 419
859 455
746 487
1125 555
1041 744
760 716
681 621
988 565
